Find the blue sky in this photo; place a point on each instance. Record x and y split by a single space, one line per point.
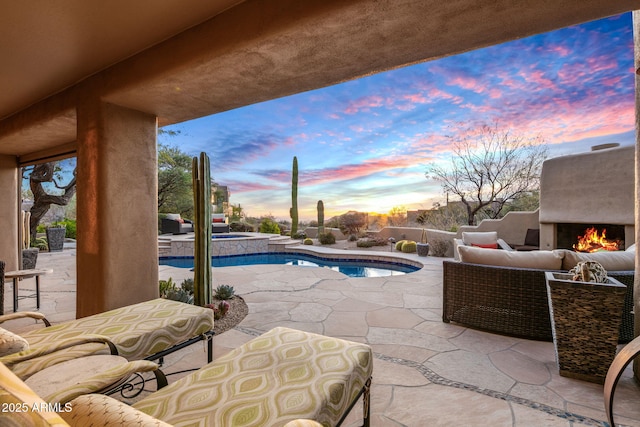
365 144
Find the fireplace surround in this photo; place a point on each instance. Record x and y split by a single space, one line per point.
596 188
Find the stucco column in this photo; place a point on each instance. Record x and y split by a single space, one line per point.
117 249
636 284
9 194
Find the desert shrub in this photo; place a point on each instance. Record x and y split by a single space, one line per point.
327 238
241 226
40 243
353 238
269 226
308 241
166 286
187 285
439 247
409 247
70 225
365 243
399 244
299 235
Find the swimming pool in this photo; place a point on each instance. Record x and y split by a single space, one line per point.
349 267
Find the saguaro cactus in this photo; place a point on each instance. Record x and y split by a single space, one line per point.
202 290
294 197
320 217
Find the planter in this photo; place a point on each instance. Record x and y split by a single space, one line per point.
585 321
422 249
29 258
55 238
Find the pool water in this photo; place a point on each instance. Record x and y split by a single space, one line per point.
350 267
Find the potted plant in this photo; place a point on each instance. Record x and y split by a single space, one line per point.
585 306
29 254
55 236
423 245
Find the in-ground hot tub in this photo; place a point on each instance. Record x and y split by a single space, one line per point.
223 245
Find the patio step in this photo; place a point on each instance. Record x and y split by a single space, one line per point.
164 246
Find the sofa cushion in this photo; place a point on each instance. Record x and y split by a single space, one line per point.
472 238
11 343
174 217
610 260
544 260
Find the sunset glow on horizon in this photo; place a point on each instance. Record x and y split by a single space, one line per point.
366 144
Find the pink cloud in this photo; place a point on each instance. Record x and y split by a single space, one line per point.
364 103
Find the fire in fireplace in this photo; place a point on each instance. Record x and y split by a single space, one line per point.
594 241
590 237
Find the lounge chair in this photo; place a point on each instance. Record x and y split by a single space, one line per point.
147 330
283 377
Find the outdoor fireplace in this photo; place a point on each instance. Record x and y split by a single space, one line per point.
590 237
573 198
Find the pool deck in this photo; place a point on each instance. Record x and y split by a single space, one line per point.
426 372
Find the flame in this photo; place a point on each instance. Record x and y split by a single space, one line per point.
593 241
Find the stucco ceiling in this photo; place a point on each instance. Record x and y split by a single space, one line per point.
182 59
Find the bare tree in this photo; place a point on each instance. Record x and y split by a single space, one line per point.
42 201
490 167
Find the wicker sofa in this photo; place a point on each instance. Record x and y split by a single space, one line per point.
512 300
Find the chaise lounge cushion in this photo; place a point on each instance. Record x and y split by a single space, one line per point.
137 330
282 375
11 343
544 260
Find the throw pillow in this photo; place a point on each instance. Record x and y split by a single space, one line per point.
11 343
479 237
174 217
489 246
542 260
218 220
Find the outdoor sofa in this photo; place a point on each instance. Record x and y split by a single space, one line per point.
505 292
175 224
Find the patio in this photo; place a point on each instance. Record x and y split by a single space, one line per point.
426 372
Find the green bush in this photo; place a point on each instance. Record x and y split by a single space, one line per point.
269 226
365 243
399 244
327 238
299 235
409 246
40 243
70 225
241 226
308 241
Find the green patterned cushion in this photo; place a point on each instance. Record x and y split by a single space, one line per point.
21 406
100 410
11 343
273 379
138 331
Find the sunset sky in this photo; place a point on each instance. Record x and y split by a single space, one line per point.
365 145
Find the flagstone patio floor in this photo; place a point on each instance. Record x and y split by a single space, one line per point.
426 372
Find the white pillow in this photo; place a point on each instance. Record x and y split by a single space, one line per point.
11 343
610 260
480 238
631 248
543 260
174 217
